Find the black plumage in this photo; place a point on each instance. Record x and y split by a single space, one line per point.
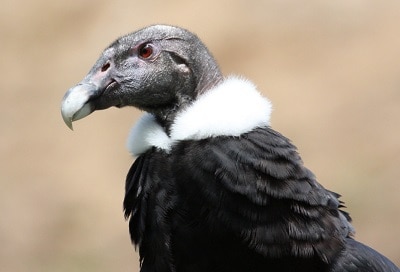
223 192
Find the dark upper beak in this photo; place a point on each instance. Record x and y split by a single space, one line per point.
84 98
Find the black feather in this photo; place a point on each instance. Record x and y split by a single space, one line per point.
222 210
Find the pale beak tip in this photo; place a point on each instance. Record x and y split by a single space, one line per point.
67 120
69 124
75 103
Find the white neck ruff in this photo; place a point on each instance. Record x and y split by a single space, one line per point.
232 108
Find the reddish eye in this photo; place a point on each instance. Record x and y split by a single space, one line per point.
146 51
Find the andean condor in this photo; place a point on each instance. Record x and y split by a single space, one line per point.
213 187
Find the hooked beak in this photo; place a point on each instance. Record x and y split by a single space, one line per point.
95 92
76 103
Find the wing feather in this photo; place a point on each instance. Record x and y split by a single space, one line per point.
257 186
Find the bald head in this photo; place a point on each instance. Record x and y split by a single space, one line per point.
160 69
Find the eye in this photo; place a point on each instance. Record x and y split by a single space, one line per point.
146 51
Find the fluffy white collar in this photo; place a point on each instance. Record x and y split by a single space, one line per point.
230 109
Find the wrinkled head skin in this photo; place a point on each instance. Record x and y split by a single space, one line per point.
160 69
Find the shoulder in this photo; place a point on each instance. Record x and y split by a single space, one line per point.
259 145
256 185
262 160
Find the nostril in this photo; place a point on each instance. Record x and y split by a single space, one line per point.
105 67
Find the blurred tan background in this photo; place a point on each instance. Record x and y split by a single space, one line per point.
331 68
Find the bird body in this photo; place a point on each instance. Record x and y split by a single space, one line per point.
213 187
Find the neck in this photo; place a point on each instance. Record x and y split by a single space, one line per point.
206 81
215 113
202 76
